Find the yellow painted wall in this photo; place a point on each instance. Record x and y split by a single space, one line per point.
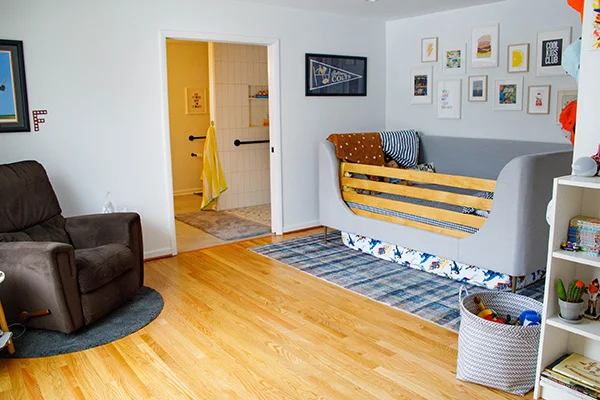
187 66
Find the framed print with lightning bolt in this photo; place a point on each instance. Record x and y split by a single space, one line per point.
329 75
429 49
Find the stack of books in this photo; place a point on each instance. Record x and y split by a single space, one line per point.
575 373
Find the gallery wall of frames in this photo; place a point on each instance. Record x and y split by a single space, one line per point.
462 66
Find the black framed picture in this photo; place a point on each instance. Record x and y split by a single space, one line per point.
14 110
330 75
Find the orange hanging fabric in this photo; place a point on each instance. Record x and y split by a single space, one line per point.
568 119
578 6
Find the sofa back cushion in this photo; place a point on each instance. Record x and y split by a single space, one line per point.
480 158
29 209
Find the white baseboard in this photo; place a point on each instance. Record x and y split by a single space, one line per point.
183 192
298 227
165 251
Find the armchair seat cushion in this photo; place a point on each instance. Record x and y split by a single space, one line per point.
100 265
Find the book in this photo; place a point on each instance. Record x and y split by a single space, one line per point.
580 369
570 383
558 385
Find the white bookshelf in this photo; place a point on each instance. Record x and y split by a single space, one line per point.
573 196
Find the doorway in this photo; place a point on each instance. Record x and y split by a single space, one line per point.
239 102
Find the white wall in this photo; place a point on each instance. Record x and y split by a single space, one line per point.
520 21
95 66
246 167
587 135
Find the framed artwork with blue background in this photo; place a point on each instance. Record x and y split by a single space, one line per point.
330 75
14 110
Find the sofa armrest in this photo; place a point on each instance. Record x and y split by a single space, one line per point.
41 275
515 236
88 231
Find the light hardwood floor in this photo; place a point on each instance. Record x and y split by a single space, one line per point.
237 325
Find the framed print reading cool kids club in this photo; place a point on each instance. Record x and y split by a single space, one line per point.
329 75
550 47
14 111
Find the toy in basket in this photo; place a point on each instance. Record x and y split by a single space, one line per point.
527 317
495 354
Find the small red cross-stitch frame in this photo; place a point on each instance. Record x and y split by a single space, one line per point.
37 121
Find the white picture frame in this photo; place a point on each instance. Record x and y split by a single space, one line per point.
517 59
429 49
485 46
449 99
563 98
454 60
421 85
508 94
538 99
478 88
550 48
195 101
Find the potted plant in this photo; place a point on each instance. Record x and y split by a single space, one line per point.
570 301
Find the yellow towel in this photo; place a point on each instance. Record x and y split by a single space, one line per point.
213 179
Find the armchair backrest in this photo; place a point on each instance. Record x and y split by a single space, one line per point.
29 209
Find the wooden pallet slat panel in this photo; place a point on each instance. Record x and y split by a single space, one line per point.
465 182
414 209
420 193
412 224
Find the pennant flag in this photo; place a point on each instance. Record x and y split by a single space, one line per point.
323 75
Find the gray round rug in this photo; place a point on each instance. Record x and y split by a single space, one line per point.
128 318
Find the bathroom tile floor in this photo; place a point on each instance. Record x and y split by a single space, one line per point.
190 238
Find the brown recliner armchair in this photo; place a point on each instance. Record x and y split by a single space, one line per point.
79 268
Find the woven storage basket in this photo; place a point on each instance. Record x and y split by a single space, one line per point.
497 355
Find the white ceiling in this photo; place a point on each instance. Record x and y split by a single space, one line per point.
386 10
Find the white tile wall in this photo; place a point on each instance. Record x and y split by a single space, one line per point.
246 167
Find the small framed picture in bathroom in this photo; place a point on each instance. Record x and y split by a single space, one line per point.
331 75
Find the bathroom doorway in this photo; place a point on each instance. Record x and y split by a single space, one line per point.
228 84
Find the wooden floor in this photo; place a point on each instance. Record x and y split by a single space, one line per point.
239 326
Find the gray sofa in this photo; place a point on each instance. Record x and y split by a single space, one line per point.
78 268
514 238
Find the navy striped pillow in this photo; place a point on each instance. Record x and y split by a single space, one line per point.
401 146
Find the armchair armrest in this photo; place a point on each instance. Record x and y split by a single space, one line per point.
87 231
41 275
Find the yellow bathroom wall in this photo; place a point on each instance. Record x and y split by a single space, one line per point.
187 67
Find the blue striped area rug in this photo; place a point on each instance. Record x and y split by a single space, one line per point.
425 295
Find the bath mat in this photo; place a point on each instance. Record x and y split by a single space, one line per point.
223 225
261 214
425 295
128 318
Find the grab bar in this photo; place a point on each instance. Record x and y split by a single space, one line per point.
238 142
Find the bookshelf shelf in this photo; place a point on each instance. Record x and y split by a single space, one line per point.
572 196
580 181
550 391
577 257
586 328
